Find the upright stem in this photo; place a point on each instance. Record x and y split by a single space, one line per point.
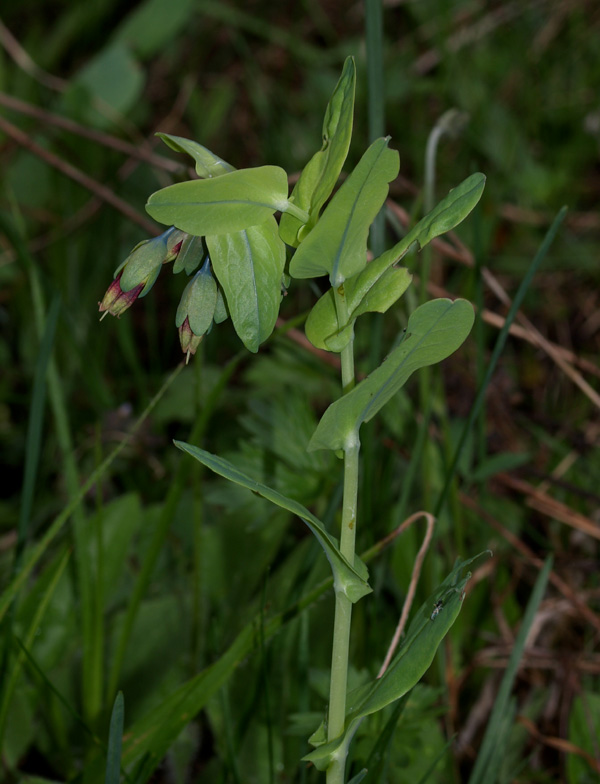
343 606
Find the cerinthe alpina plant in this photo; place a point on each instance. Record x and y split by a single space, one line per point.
226 237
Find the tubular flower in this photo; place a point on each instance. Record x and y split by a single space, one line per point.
136 275
188 340
116 301
196 309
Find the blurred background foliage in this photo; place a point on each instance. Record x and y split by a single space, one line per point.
187 561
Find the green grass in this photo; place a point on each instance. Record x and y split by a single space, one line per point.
125 567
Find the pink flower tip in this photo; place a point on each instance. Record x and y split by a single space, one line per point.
117 301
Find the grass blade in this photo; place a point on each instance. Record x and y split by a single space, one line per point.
376 763
486 768
376 99
34 430
38 551
352 579
434 331
115 740
9 682
161 530
501 340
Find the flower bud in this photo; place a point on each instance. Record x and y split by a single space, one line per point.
136 275
196 310
175 239
192 252
188 341
116 301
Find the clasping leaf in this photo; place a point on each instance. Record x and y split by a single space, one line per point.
434 331
375 288
221 205
352 580
337 246
451 211
207 163
321 173
412 661
322 323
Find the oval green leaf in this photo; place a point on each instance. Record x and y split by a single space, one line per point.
322 321
434 331
428 628
229 203
190 256
321 173
450 211
444 217
337 246
383 294
207 163
322 327
248 265
350 580
198 302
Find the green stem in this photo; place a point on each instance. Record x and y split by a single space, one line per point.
343 606
296 211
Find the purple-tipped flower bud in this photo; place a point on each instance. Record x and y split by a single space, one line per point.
116 301
192 252
196 310
174 242
189 342
136 275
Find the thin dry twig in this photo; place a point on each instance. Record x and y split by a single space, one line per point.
99 190
530 332
91 207
300 338
532 335
414 579
471 34
498 656
559 743
577 221
30 67
522 548
14 49
559 355
542 502
542 342
105 139
517 331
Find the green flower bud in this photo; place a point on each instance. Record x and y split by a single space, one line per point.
136 275
175 240
145 260
192 253
189 342
196 310
221 313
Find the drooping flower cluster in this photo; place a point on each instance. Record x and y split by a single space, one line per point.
201 302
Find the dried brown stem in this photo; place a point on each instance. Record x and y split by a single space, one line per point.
542 502
26 63
87 182
562 357
514 540
414 579
105 139
561 744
